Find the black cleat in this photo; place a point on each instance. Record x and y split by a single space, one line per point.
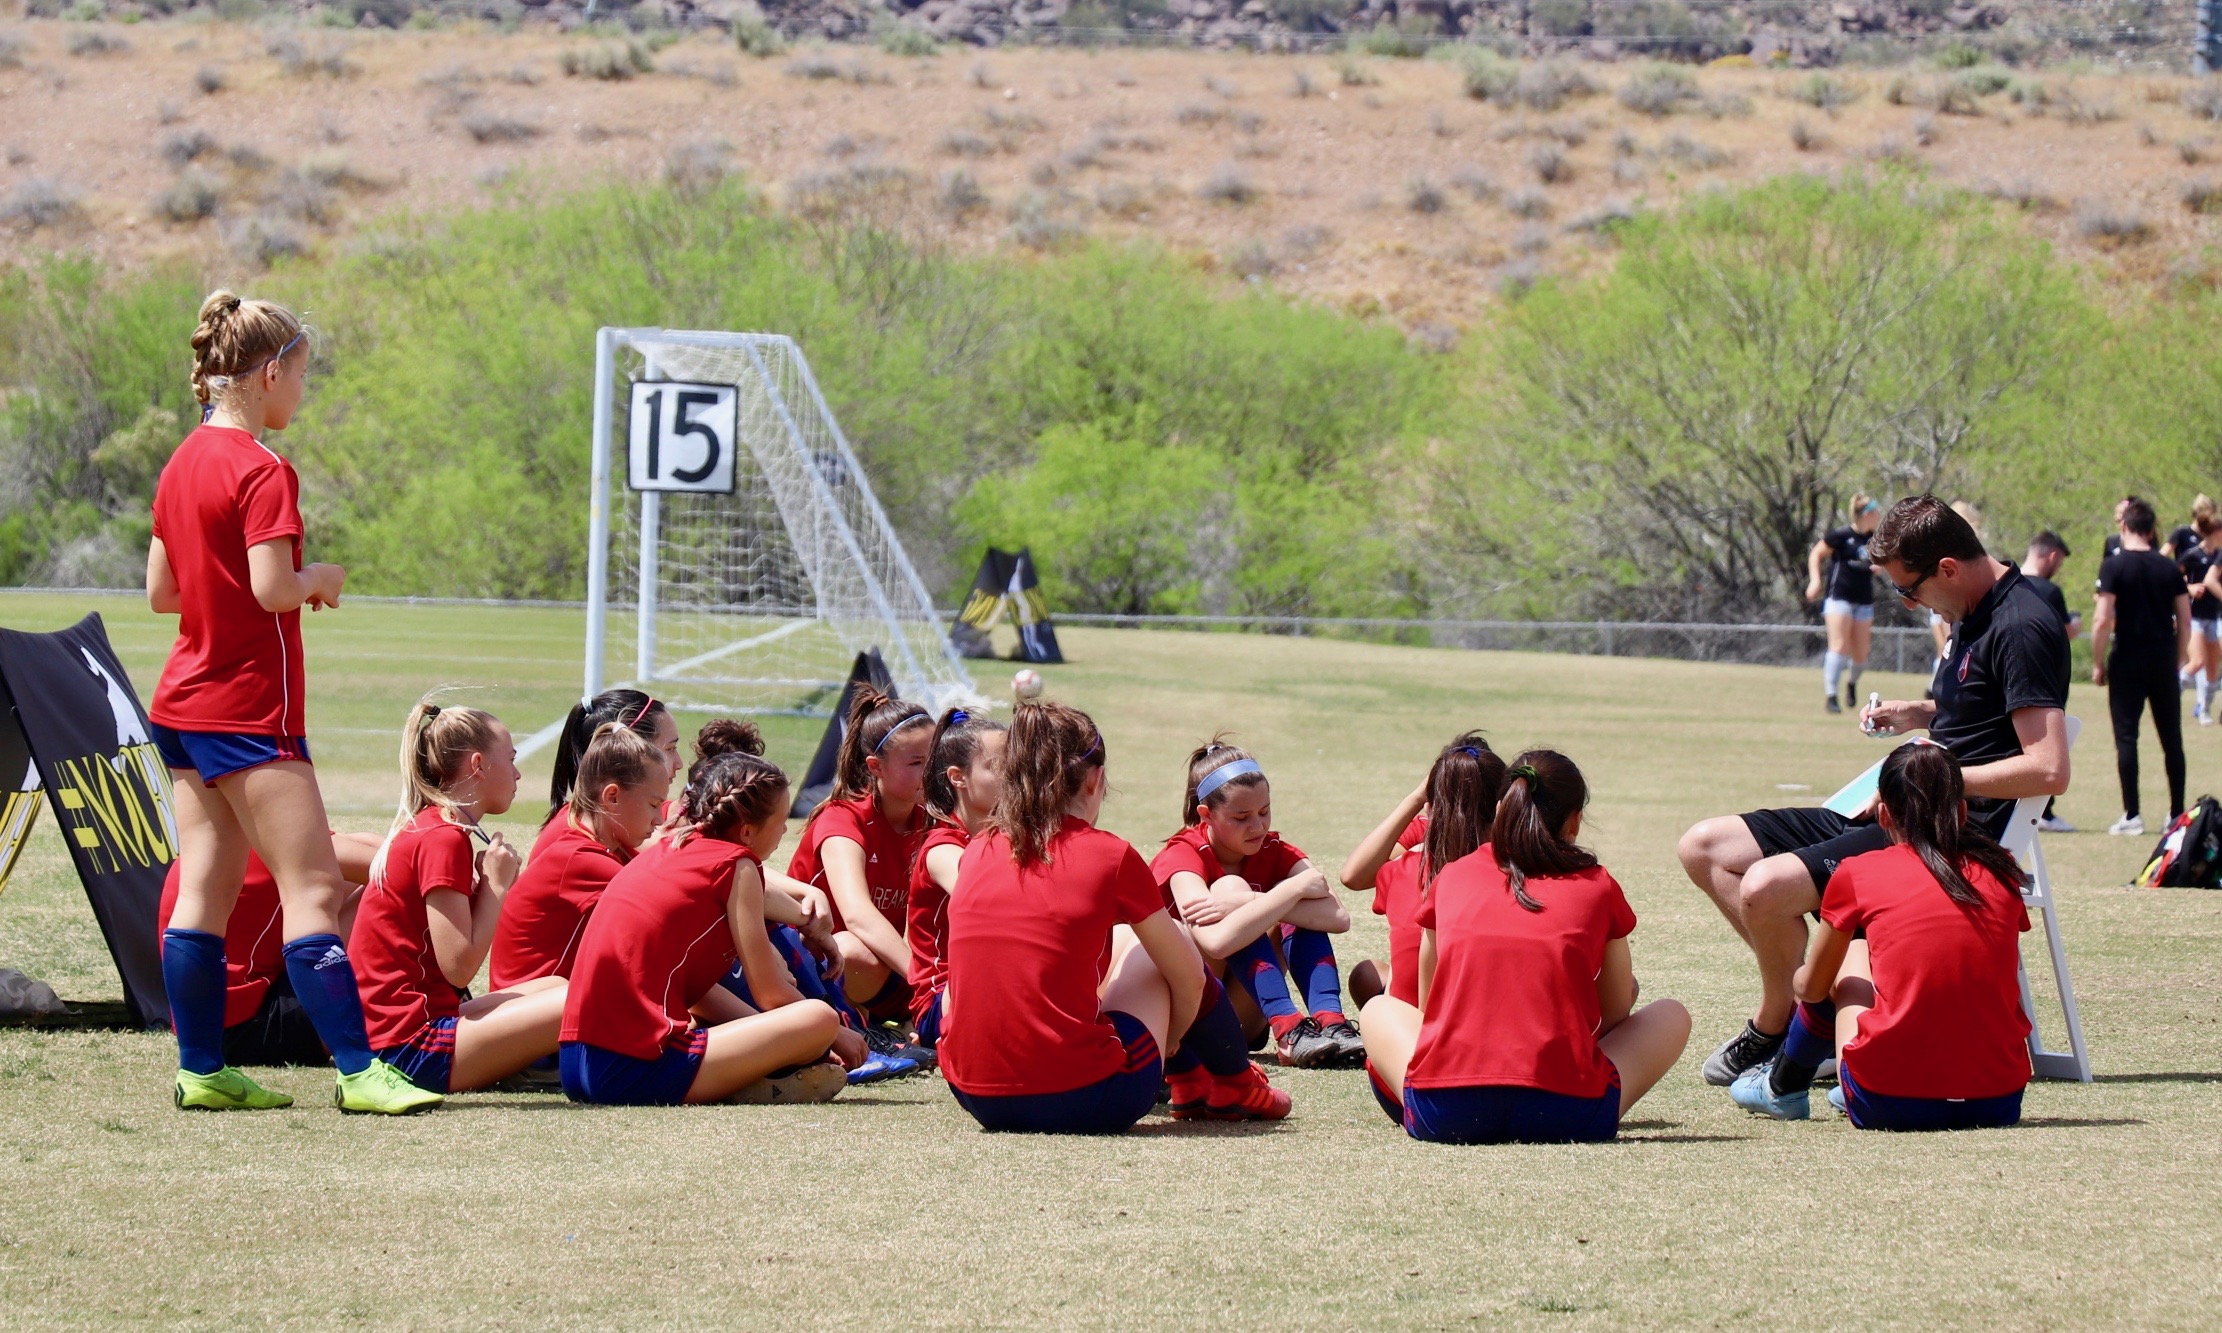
1306 1047
1350 1048
1833 705
1748 1049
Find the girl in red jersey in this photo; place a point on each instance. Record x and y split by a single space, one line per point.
963 783
1919 949
1462 788
668 929
428 918
1399 835
229 714
1258 903
263 1023
617 796
859 845
1526 1030
641 713
1067 975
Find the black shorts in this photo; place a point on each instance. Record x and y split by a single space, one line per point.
279 1033
1819 837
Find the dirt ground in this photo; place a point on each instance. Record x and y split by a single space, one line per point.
1398 196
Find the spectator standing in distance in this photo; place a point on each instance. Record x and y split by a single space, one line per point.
2047 552
2139 628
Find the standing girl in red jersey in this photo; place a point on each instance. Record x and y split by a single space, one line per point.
963 783
1919 951
229 714
860 843
1526 1030
1461 791
1258 903
428 917
1067 976
616 800
667 930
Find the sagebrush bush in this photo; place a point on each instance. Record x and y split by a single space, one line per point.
1658 90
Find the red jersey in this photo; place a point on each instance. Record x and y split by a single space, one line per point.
888 851
656 944
1947 1020
235 667
1396 895
1514 1002
1028 949
395 968
254 939
548 906
1415 834
927 930
1190 850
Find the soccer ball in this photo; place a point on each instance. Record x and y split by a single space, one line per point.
1027 684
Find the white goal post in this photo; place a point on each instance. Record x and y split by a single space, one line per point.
739 560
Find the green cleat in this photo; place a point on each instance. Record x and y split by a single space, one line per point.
225 1090
381 1089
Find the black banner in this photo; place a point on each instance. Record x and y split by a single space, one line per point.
1006 584
817 784
88 737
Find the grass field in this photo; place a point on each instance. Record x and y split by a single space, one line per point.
513 1211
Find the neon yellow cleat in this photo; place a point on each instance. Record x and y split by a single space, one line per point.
381 1089
225 1090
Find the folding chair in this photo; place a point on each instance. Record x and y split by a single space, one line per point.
2021 839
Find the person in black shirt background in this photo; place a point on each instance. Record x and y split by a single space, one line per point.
2139 629
2204 647
2047 552
1837 577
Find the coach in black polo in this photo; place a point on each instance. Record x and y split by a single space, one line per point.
2000 707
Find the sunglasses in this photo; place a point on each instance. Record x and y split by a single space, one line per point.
1910 593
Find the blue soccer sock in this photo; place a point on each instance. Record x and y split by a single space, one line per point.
193 975
324 982
1311 960
1257 969
1216 1037
1810 1040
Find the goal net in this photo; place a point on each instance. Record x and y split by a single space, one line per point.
764 565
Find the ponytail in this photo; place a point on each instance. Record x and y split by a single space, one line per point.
1462 792
630 708
1217 756
434 742
874 717
1046 761
956 744
1921 787
1543 791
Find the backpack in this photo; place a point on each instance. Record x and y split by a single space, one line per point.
2189 855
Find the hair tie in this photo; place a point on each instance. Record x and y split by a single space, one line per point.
1471 752
1224 774
1523 771
431 711
914 717
958 717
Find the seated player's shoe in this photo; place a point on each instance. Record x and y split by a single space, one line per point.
1247 1096
1833 705
381 1089
1836 1098
878 1068
2054 824
1751 1092
1350 1048
1747 1049
1305 1046
886 1039
819 1082
1191 1093
225 1090
1825 1072
2128 826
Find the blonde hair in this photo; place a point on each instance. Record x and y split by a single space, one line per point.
237 337
2202 507
1861 502
617 754
434 742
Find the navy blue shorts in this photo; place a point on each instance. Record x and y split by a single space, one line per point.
428 1058
1510 1115
1108 1106
219 754
1875 1110
592 1074
929 1023
1389 1105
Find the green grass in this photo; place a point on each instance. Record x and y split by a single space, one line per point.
521 1210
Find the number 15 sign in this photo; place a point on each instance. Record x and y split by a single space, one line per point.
682 436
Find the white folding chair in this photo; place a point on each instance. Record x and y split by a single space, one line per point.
2021 839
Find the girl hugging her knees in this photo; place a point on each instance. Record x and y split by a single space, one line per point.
1258 904
1912 979
428 916
641 1021
1067 979
1526 1030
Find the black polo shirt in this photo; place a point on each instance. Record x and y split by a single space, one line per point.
2050 591
2009 653
2144 586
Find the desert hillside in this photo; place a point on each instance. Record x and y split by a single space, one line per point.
1375 184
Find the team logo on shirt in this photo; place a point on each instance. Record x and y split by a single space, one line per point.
1965 659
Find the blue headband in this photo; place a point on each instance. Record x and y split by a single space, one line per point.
1224 774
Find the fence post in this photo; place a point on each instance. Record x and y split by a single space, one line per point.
1605 632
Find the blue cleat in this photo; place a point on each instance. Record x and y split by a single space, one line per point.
879 1067
1751 1092
1836 1099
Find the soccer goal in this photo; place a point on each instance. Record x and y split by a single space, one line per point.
740 561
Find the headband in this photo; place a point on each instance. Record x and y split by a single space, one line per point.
1870 507
1224 774
642 713
222 382
914 717
1093 746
